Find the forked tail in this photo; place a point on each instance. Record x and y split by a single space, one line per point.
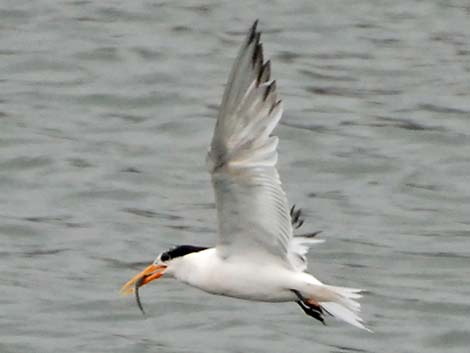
345 306
339 302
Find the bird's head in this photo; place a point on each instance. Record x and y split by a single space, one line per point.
162 264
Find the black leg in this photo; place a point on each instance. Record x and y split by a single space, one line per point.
313 311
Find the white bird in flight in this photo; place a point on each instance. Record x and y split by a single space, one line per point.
257 257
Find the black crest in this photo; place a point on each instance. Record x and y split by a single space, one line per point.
180 251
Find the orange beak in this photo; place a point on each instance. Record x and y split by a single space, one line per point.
146 276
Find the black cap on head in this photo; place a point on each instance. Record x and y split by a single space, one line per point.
179 251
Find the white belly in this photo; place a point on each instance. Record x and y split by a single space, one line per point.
238 278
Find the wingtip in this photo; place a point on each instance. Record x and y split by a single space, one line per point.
270 88
276 106
253 34
264 74
258 56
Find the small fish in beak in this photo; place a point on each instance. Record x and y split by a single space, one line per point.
151 273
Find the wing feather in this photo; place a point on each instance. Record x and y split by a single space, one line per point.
253 213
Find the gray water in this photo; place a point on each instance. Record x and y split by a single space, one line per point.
106 112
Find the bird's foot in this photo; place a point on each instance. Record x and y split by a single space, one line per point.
310 307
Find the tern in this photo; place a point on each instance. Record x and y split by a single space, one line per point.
257 256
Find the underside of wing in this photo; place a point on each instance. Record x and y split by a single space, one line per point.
252 208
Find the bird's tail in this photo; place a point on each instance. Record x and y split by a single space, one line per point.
339 302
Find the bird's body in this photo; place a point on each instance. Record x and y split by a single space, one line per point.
257 256
237 277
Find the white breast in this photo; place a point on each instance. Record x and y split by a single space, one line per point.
236 277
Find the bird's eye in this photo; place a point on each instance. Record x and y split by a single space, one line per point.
165 257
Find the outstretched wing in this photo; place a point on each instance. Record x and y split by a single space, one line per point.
253 212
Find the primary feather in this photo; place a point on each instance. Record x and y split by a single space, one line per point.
242 161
